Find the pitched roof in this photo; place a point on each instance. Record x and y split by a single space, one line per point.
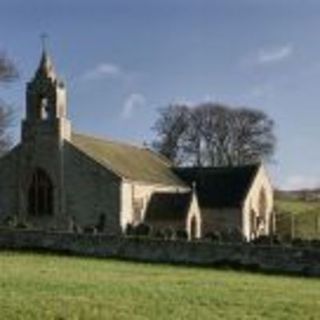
168 206
224 187
128 161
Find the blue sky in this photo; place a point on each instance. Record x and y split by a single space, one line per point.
123 59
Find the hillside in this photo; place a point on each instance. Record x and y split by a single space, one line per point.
298 202
298 213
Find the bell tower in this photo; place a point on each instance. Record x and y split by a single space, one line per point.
45 129
46 105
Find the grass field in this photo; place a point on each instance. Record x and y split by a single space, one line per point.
303 216
297 206
34 286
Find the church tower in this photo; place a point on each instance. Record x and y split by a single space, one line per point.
45 130
46 105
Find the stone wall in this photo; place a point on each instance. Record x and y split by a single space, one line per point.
280 259
9 195
91 191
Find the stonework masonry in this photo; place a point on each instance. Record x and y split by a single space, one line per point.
92 192
252 203
276 259
139 193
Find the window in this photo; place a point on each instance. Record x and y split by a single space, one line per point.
253 222
137 210
193 228
44 108
262 204
40 195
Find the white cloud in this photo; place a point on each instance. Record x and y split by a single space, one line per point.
266 56
103 70
194 102
298 182
133 102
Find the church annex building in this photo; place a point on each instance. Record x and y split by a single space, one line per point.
55 179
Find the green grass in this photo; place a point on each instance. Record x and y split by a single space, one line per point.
306 216
297 206
34 286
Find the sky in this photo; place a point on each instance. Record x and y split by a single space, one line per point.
122 60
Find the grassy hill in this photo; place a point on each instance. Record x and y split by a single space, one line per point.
299 210
297 206
54 287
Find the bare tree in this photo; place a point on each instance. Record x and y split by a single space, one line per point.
214 135
212 124
6 119
253 136
8 73
171 128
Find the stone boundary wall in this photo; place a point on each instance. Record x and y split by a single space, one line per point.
276 259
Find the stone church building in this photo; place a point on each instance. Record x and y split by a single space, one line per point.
55 179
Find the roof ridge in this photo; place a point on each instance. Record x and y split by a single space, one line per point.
253 165
109 140
161 157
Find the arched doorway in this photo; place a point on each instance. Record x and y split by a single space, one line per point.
262 214
40 194
193 228
253 224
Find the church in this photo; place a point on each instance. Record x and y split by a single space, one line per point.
56 179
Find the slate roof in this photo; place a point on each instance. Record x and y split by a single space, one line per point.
168 206
224 187
128 161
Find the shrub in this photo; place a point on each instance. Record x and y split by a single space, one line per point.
22 225
276 239
286 239
298 242
264 240
213 236
129 231
10 221
181 234
158 234
89 230
315 243
232 235
142 229
168 233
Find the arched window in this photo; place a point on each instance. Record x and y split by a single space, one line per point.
40 195
262 204
193 228
44 107
253 221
